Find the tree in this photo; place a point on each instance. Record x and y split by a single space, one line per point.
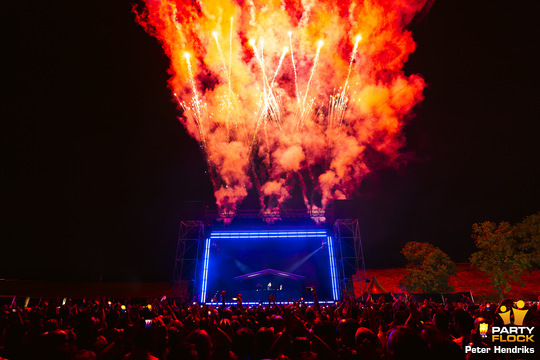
527 233
429 268
505 251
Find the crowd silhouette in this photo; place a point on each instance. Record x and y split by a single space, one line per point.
167 330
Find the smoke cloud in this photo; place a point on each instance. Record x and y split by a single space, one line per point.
286 93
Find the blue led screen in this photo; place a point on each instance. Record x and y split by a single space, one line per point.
302 254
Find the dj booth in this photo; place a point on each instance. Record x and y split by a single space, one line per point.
259 285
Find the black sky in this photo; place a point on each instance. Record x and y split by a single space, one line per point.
96 165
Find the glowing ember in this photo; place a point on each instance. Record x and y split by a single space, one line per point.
275 123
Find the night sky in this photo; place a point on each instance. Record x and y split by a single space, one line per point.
96 165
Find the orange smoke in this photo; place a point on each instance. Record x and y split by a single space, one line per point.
285 93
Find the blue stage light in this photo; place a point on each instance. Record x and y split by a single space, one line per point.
266 303
272 234
266 234
333 271
205 270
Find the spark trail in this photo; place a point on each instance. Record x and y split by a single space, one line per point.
294 68
315 61
285 49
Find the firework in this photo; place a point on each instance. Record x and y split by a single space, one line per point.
276 123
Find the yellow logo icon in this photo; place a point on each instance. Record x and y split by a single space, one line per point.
519 313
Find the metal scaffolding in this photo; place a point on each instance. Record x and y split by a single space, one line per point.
350 255
186 262
271 214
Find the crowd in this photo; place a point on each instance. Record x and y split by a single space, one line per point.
165 330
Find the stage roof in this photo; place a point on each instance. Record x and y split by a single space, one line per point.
270 272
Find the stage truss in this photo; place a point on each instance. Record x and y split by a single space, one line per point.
190 238
190 255
351 254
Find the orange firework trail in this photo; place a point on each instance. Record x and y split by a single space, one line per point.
290 128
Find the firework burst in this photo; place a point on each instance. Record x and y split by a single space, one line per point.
277 123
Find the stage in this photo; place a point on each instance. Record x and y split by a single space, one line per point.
254 258
256 264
